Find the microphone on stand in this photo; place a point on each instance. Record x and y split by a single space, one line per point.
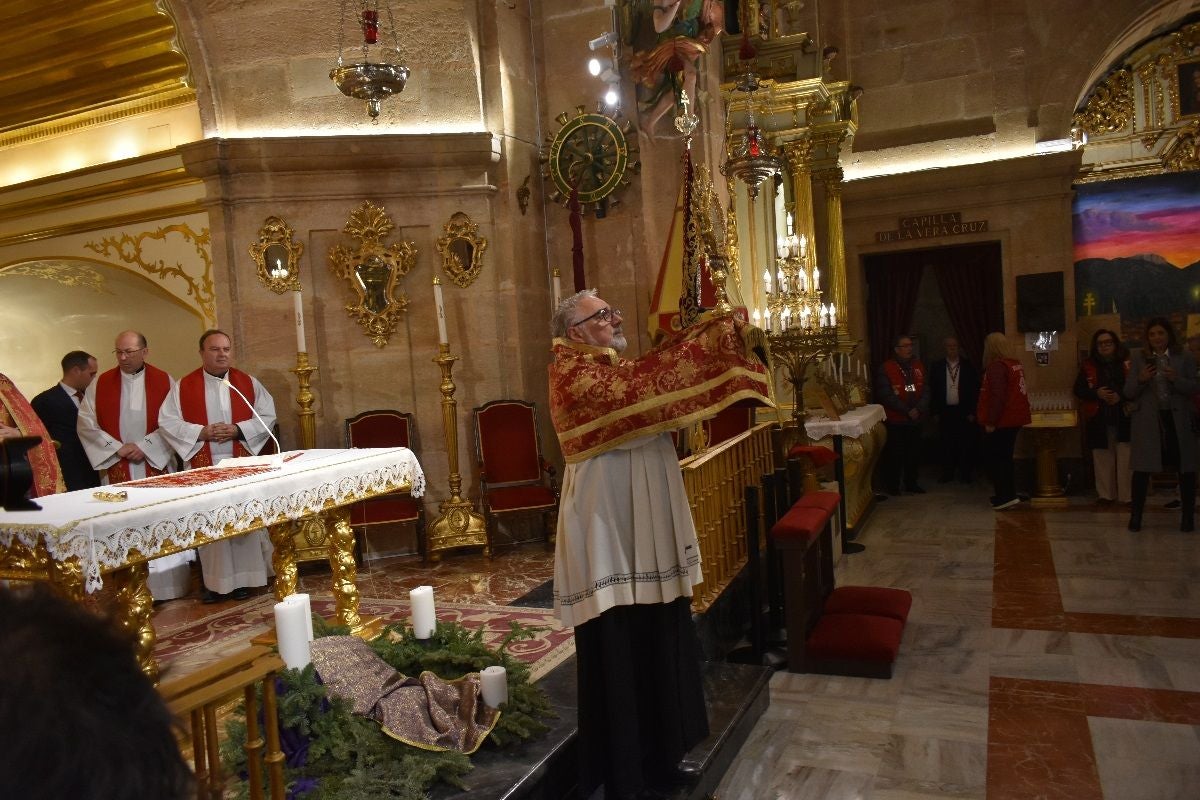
273 461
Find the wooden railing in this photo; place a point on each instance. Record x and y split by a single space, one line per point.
198 698
716 480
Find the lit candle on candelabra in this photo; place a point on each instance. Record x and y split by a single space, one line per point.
441 311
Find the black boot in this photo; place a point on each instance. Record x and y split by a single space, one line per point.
1187 497
1141 485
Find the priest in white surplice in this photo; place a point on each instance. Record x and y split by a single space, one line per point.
118 427
205 421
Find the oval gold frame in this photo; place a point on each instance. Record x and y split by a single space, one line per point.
373 270
277 256
462 250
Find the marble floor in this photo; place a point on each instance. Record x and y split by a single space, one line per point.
1049 654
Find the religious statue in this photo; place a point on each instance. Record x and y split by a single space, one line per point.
669 37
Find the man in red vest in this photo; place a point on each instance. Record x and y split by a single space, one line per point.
901 390
205 421
118 427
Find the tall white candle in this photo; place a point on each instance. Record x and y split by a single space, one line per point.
493 685
557 289
292 632
307 603
298 307
424 614
441 311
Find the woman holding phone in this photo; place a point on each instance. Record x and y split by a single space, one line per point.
1160 384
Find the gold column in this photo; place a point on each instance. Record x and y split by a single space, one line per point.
832 181
458 525
797 153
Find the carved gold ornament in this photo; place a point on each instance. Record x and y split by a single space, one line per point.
137 251
462 250
277 256
373 270
1110 108
1183 155
62 272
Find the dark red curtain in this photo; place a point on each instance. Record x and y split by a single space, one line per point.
971 281
893 280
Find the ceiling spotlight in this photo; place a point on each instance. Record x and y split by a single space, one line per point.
611 97
598 65
603 40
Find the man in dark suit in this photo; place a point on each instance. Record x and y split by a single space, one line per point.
58 408
954 391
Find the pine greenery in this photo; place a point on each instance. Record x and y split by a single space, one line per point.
349 757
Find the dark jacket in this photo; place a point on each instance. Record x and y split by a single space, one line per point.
59 413
1109 375
968 386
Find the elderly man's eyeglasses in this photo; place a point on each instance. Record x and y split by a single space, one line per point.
127 353
605 315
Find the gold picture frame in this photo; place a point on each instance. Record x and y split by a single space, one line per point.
277 256
462 250
373 271
1187 89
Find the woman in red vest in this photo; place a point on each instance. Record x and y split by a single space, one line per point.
1161 381
1100 388
1003 408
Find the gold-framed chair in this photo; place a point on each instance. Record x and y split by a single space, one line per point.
514 478
386 428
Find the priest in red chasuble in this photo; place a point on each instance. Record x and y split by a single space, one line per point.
118 427
205 420
17 418
627 556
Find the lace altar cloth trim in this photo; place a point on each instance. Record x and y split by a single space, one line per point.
854 423
158 521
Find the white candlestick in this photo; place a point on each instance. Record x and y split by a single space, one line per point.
292 631
441 312
493 685
424 613
298 307
557 289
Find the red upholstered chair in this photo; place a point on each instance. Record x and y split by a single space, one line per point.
386 428
513 476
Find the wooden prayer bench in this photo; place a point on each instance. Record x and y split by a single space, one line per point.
853 630
197 697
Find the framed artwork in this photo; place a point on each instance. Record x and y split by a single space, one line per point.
1188 76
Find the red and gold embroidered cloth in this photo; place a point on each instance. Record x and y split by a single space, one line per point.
15 412
599 400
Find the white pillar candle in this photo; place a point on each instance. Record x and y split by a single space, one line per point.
493 685
441 311
298 307
424 613
292 632
307 603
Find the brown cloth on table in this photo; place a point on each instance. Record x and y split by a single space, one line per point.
425 712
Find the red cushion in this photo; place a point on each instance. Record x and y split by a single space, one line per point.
508 443
820 456
516 498
384 429
826 501
387 508
855 637
879 601
800 523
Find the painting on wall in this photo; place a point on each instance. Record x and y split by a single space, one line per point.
1137 254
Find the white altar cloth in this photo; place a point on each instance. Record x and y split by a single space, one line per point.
156 521
854 423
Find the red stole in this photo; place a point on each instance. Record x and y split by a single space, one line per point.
108 411
43 460
195 409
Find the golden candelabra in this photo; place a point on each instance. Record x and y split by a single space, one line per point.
305 398
458 525
796 349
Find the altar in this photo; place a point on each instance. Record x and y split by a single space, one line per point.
78 539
